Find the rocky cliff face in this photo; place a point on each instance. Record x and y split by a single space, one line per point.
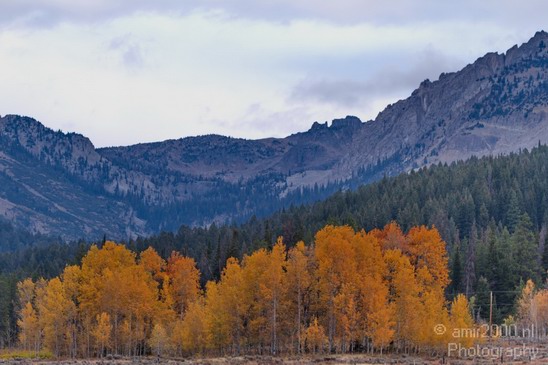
58 183
496 105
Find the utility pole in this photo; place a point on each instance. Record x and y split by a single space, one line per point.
490 314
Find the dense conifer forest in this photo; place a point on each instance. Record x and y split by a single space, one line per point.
491 212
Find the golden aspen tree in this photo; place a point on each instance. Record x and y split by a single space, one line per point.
39 297
166 292
141 297
541 304
113 299
158 340
185 281
165 314
224 309
429 257
526 306
381 324
56 310
217 319
39 291
336 266
177 333
376 313
315 337
346 315
26 291
256 333
113 283
271 290
391 237
127 342
462 325
194 331
427 250
99 270
299 279
102 333
29 329
71 278
404 294
152 263
165 305
433 313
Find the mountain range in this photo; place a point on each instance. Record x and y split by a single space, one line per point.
59 184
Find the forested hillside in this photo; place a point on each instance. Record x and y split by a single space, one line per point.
491 212
468 202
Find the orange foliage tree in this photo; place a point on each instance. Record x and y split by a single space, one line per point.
348 291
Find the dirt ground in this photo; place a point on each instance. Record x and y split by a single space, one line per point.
256 360
540 357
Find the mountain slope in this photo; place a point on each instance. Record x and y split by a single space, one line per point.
495 105
59 183
47 187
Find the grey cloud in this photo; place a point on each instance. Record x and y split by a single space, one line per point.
130 50
44 13
49 12
133 57
385 82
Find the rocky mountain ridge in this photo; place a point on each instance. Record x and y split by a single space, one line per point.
58 183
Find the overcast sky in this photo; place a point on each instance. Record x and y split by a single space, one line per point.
130 71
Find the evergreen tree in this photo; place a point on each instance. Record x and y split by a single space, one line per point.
482 298
543 248
513 214
470 267
456 271
527 255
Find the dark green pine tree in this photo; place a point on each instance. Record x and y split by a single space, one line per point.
8 317
543 248
506 275
493 268
470 262
513 213
545 258
466 213
235 245
456 271
527 255
267 235
483 289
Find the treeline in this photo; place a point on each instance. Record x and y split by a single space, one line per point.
350 291
35 260
492 212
